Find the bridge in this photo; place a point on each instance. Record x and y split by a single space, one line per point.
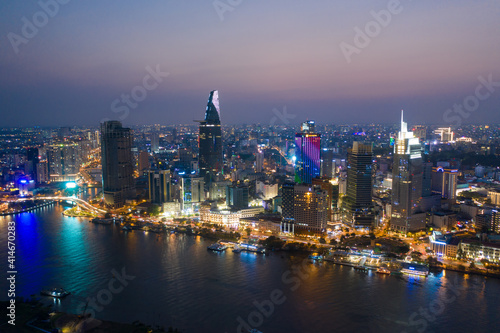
81 203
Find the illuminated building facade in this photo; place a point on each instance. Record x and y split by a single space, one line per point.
307 153
407 182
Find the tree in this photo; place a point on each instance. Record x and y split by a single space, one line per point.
333 241
342 238
248 231
154 210
322 240
372 236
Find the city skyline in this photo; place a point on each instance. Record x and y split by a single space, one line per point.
75 68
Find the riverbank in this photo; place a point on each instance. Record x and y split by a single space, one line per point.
32 316
28 209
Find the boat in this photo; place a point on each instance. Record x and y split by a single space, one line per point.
101 221
217 247
383 270
55 292
414 269
236 249
315 256
126 228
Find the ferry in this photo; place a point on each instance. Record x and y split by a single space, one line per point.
383 270
217 247
56 292
414 269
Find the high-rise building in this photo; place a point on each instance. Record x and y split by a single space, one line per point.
287 204
259 161
159 186
407 182
32 160
307 153
143 161
237 196
210 141
420 132
357 206
117 163
155 142
64 161
332 189
444 182
427 179
327 163
310 208
192 191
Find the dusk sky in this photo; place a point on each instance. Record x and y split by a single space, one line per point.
262 55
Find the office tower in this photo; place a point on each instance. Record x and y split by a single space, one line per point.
155 142
287 204
210 141
327 163
310 209
159 186
427 179
237 196
117 163
63 162
445 133
259 161
143 161
307 153
32 161
332 189
192 191
357 206
185 159
407 182
444 182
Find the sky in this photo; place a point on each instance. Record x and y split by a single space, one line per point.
273 62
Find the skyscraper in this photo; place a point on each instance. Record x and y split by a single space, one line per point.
237 196
310 208
287 204
357 207
159 186
407 182
117 165
64 161
307 153
210 141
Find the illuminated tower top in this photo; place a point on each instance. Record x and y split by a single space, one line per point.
212 114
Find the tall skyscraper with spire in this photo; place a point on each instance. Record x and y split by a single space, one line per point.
407 182
210 141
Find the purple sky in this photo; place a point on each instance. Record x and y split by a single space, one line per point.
262 55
